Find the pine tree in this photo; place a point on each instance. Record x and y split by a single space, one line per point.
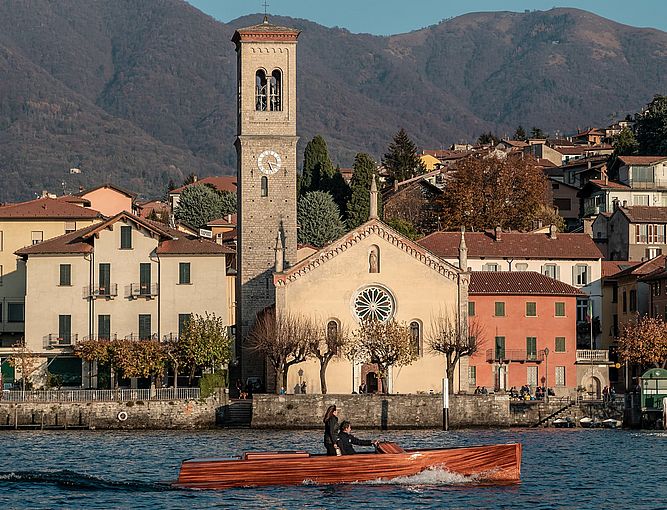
317 167
319 219
401 159
520 133
358 206
537 133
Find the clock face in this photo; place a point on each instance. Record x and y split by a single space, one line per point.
269 162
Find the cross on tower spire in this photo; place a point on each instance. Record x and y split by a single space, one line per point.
265 4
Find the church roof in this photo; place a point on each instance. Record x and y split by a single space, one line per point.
265 31
373 226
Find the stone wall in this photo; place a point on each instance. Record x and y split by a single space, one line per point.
380 411
150 414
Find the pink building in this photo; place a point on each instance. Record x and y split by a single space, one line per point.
528 324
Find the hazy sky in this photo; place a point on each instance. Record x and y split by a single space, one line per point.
397 16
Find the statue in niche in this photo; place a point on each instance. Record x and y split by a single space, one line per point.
373 261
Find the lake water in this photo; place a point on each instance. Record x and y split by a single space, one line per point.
98 469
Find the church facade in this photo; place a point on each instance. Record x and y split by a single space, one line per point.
372 271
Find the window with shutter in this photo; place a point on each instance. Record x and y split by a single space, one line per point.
560 376
471 308
531 347
144 279
144 327
531 309
183 319
65 328
126 237
560 344
104 327
500 347
184 273
500 309
560 309
65 275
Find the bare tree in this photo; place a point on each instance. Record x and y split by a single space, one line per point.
284 339
327 343
385 344
24 360
454 339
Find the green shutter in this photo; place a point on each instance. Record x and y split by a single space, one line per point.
125 237
560 344
531 309
471 308
145 278
183 319
105 279
104 327
65 274
531 347
144 327
500 309
184 273
500 347
65 328
560 309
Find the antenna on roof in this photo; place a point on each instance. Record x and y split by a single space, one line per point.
265 4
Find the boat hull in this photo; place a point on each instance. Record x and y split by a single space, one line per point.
496 463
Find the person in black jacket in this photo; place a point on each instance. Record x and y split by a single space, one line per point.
346 439
330 426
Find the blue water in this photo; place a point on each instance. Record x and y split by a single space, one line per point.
563 468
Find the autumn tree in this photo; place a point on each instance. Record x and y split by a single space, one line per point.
145 358
319 219
401 160
454 339
284 339
489 191
644 342
651 127
358 207
326 344
203 344
385 344
25 361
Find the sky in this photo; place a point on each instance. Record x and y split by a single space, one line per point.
384 17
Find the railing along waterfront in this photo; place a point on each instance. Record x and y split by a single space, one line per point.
79 395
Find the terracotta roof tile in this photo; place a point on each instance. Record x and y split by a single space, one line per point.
120 190
513 244
518 282
609 184
47 209
221 183
643 268
641 160
645 214
71 242
613 267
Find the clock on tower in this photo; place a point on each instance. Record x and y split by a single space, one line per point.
266 147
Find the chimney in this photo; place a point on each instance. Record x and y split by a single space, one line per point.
80 189
463 251
539 223
625 203
588 226
373 209
280 253
229 218
498 233
194 178
553 232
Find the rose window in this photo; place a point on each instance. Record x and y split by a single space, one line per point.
373 303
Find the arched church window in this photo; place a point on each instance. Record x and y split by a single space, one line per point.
332 331
276 91
260 90
415 336
264 184
373 303
374 259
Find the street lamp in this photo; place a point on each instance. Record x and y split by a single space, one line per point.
546 375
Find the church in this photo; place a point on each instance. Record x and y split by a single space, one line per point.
371 272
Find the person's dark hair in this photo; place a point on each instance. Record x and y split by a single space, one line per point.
329 413
345 424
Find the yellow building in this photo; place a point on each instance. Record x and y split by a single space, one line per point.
126 277
430 162
26 224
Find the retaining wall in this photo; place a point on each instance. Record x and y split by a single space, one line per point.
380 411
150 414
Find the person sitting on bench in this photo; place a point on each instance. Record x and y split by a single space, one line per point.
346 439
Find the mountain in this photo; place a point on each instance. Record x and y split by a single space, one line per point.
142 92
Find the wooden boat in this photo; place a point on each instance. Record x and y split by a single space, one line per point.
495 463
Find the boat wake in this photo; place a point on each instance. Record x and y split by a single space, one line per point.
72 480
432 476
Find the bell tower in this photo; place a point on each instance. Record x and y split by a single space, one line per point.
266 183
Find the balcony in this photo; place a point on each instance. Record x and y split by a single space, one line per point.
136 338
137 290
54 340
516 355
101 337
101 291
592 356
